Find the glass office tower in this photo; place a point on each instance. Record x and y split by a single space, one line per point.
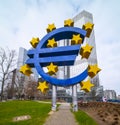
80 65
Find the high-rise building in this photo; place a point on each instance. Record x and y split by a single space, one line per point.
21 80
81 64
79 21
22 57
20 62
110 94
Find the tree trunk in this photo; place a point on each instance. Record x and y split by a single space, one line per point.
7 60
2 90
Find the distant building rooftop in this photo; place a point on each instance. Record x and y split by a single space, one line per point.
83 14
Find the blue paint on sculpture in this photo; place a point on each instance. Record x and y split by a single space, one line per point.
60 56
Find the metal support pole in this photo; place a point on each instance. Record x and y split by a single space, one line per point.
54 88
74 93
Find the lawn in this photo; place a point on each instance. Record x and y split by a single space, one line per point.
37 111
83 119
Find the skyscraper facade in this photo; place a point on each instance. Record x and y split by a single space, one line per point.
80 64
110 94
22 57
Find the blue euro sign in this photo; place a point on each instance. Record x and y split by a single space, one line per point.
42 56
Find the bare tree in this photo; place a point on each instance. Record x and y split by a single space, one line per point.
31 89
7 63
19 84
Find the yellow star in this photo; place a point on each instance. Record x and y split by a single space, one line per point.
88 27
76 39
50 28
43 87
85 51
52 69
68 22
52 43
26 70
93 70
86 86
34 42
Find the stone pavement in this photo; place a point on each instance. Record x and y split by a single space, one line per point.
62 117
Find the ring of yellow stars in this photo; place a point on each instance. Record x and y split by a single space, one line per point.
52 69
88 27
86 86
93 70
50 27
68 22
52 43
43 87
85 51
34 42
76 39
26 70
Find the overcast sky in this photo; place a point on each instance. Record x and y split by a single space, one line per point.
20 20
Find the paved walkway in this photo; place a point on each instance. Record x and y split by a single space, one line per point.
62 117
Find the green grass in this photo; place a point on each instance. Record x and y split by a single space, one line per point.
83 119
46 100
37 111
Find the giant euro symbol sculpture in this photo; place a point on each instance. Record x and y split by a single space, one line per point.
45 53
